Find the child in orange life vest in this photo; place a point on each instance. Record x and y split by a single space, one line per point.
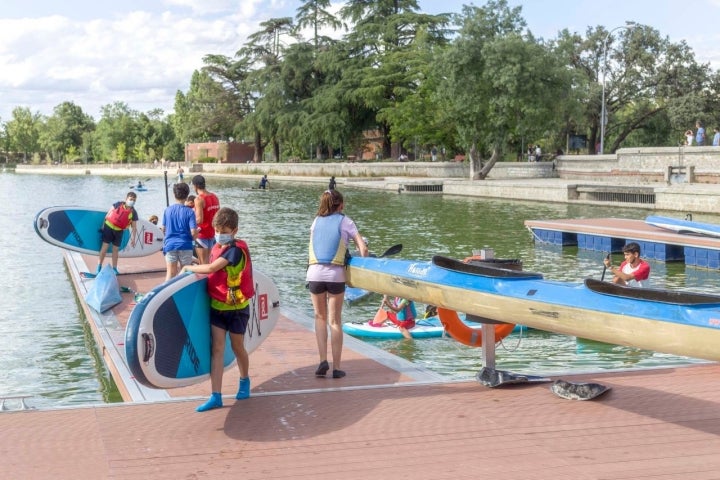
231 287
121 216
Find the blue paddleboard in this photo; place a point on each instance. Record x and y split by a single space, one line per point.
167 338
78 229
684 226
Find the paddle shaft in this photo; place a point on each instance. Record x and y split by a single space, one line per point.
602 277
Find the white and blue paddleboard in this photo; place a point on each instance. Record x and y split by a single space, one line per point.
167 338
430 327
684 226
78 229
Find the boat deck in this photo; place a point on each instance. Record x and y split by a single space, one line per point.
386 419
611 234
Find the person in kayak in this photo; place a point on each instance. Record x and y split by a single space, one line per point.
633 271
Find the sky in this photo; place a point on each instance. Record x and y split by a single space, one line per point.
141 52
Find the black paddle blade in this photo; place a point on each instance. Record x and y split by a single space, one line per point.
394 250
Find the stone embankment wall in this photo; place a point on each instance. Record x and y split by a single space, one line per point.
645 165
668 165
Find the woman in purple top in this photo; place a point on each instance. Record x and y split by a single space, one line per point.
330 233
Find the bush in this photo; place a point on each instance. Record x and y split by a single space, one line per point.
206 160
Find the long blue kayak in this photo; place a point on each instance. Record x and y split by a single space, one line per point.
676 322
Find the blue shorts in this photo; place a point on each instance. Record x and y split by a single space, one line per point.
185 257
205 242
234 321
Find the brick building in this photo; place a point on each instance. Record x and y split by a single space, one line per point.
223 152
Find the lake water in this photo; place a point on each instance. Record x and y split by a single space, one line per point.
48 351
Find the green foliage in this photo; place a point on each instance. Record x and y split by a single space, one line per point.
207 160
477 82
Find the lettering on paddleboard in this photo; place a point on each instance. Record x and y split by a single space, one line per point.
714 322
192 353
263 308
77 238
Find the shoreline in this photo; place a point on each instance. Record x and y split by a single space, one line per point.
680 197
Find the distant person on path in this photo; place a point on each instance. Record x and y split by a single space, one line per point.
538 153
689 137
180 174
700 134
433 153
633 271
263 182
330 234
180 229
331 185
206 206
402 313
231 287
121 216
716 137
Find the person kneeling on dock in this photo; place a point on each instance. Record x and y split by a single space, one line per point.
633 271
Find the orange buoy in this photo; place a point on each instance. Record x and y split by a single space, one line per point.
466 335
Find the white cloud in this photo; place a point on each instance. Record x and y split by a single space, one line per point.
141 58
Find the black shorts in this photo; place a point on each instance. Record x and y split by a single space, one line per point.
234 321
110 235
333 288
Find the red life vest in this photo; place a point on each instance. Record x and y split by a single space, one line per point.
119 218
232 287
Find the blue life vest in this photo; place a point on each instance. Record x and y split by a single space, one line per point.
326 244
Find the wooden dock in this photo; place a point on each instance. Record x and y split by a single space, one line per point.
387 419
611 234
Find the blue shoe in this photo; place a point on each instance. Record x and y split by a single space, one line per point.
244 390
215 401
115 270
97 270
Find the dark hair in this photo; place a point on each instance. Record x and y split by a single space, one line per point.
181 191
225 217
330 202
199 181
131 195
632 247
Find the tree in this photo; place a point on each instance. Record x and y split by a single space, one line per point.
376 73
648 78
62 133
23 131
500 84
208 111
116 132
